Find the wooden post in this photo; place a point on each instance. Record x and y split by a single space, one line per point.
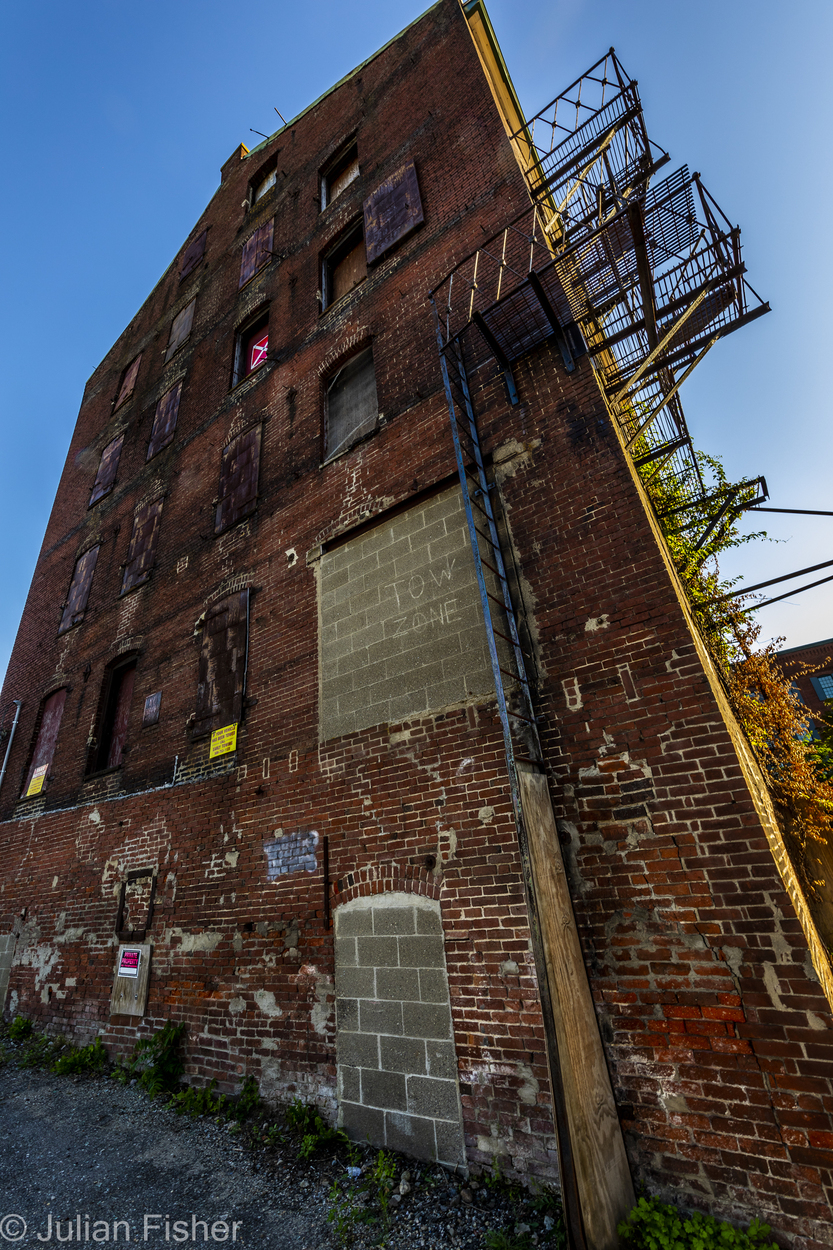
602 1173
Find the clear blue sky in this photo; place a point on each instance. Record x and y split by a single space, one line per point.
116 118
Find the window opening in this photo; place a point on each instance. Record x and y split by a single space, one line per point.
111 746
164 420
823 685
40 765
392 212
251 349
142 550
265 185
128 381
105 478
352 405
193 255
239 471
222 665
136 901
180 329
344 268
79 590
343 170
257 251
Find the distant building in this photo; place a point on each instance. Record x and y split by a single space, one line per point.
354 619
815 687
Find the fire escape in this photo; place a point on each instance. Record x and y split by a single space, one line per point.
644 275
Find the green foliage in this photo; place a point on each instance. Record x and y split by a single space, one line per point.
655 1225
90 1058
156 1061
248 1100
308 1124
193 1102
364 1199
20 1028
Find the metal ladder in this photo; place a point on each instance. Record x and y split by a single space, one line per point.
515 706
513 688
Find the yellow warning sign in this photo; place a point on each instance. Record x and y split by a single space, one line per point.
38 778
223 741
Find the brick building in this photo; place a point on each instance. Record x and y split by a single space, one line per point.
810 668
257 759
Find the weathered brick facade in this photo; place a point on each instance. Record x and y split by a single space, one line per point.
715 1025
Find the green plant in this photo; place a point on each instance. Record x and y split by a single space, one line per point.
90 1058
307 1122
382 1177
193 1102
248 1100
156 1061
20 1028
655 1225
344 1211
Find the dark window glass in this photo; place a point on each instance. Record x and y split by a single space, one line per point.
222 665
51 712
105 479
79 590
180 328
142 548
239 469
128 381
352 407
392 212
257 251
344 267
193 255
164 420
114 711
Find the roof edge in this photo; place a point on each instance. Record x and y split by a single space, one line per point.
294 120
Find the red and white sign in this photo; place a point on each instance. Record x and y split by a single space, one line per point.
257 352
129 960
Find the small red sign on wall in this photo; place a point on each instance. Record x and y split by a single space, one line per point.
129 961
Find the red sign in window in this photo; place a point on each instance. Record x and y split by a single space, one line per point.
257 352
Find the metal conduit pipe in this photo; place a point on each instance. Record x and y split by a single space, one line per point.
18 704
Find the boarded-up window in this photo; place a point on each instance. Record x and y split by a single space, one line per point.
338 176
392 212
344 267
79 590
128 381
222 666
193 255
142 548
257 251
164 421
114 713
40 764
352 407
108 467
239 469
180 328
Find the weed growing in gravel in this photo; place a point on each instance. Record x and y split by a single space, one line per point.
20 1028
193 1102
156 1061
312 1130
91 1058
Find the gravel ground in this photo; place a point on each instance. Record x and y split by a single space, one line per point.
79 1153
